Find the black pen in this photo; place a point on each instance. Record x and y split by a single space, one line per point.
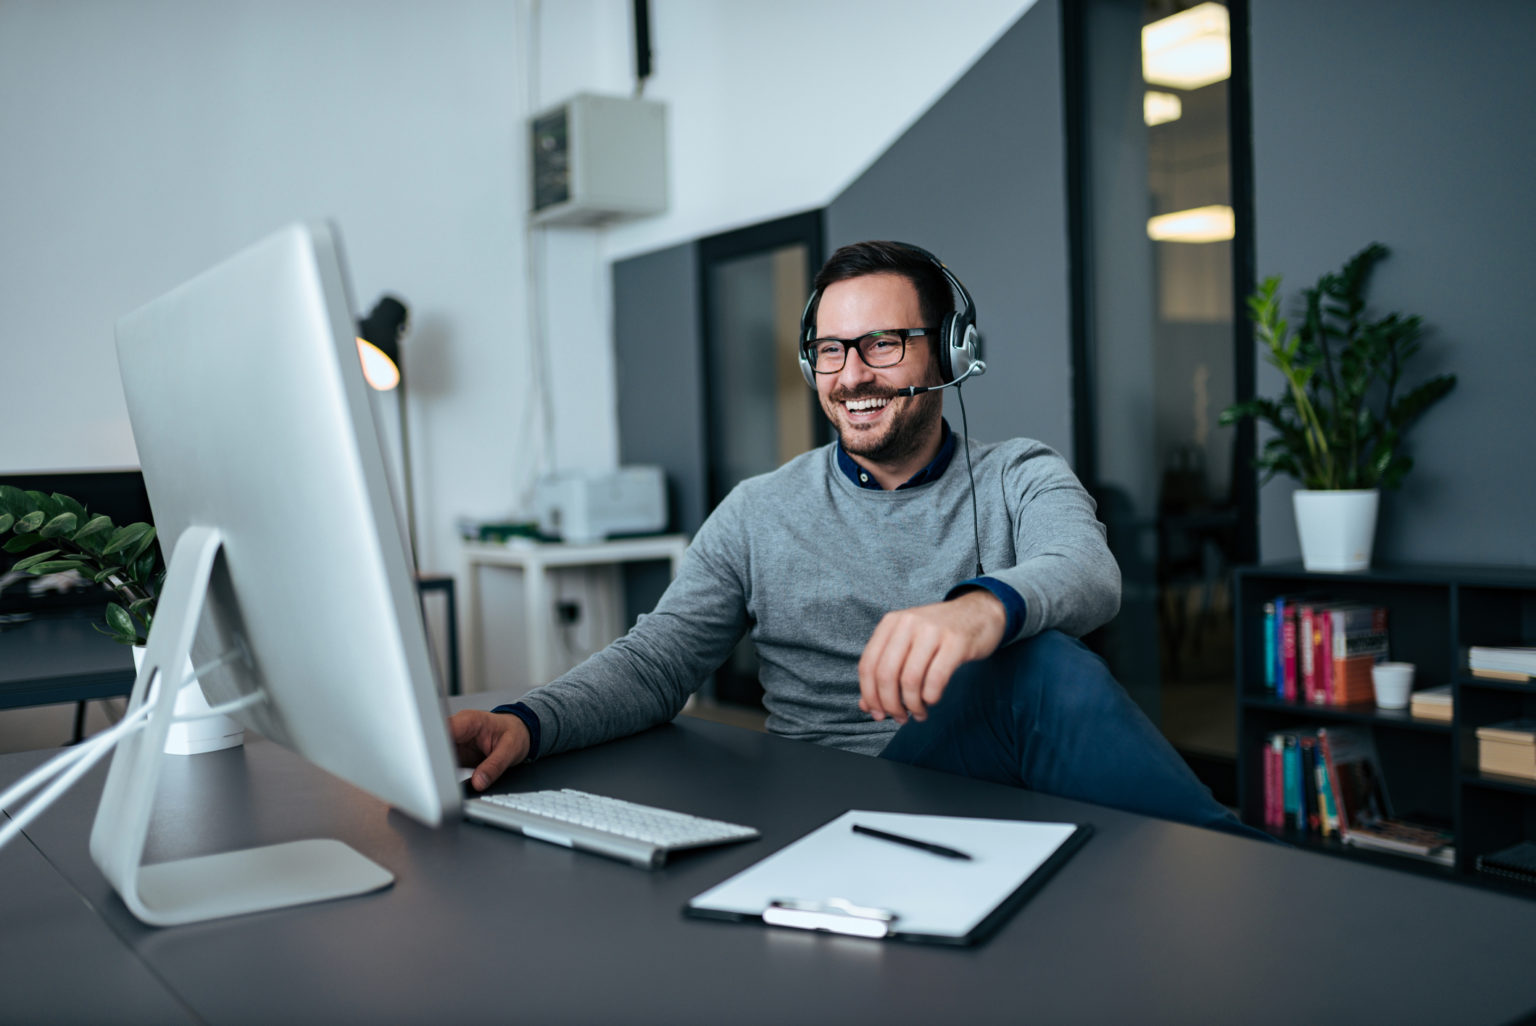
937 849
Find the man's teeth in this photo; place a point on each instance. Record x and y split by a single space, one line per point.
860 405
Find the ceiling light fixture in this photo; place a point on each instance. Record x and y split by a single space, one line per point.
1200 224
1161 108
1188 50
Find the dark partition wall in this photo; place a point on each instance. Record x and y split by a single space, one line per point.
657 363
1409 124
979 180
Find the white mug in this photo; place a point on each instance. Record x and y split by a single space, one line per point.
1393 683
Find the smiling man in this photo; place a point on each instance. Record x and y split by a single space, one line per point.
858 571
890 436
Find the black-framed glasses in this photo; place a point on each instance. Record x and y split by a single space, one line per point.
883 348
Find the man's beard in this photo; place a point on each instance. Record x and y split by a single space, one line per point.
902 435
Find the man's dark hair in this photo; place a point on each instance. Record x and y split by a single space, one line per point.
863 258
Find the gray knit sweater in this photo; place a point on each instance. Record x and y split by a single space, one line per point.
808 563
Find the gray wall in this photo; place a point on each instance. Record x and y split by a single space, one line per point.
657 363
979 180
1410 129
657 353
1410 124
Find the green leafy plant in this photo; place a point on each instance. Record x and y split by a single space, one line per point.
125 559
1340 422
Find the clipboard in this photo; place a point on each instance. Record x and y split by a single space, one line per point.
841 881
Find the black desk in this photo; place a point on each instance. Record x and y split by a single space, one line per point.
1150 922
62 658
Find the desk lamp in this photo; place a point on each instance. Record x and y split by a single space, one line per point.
378 346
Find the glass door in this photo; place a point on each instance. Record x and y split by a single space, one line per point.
759 412
1158 349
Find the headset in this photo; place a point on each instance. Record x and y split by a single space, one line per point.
958 360
959 342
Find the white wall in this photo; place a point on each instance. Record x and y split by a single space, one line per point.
776 107
145 141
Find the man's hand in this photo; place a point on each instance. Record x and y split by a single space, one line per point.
490 742
913 652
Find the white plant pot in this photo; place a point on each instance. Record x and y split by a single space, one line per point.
1336 528
209 734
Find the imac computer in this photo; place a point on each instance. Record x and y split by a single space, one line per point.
287 572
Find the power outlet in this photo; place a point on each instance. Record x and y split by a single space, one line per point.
567 612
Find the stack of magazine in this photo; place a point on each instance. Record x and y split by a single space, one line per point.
1509 663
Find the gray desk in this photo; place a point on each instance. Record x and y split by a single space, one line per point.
62 962
1150 922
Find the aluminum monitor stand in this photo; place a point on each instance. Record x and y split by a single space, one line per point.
207 886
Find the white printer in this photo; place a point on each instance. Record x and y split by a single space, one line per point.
588 507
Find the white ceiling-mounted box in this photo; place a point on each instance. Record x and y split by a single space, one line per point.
598 158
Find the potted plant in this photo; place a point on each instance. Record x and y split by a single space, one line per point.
125 560
1339 424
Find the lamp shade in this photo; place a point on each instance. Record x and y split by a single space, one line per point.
378 342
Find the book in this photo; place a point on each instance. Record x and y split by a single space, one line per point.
1517 862
1307 622
1358 639
1278 634
1327 810
1354 776
1307 749
1325 659
1315 630
1274 785
1403 838
1433 704
1510 675
1270 642
1288 629
1290 779
1510 659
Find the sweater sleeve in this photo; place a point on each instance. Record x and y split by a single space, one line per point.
645 677
1063 568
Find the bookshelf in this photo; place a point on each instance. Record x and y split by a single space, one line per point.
1435 613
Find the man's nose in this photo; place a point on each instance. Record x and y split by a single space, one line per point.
855 371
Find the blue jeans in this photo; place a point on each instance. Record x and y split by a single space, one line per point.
1046 714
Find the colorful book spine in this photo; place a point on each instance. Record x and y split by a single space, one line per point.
1324 658
1288 653
1274 800
1306 652
1290 775
1308 769
1358 641
1327 814
1279 636
1269 647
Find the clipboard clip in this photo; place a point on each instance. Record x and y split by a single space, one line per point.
834 915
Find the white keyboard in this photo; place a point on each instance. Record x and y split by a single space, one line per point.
640 834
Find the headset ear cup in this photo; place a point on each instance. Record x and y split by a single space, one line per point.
946 344
807 331
963 356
